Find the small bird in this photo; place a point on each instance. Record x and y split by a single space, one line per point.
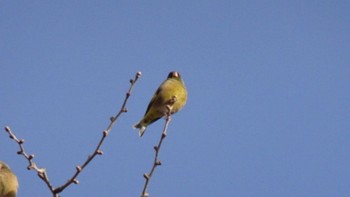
171 91
8 181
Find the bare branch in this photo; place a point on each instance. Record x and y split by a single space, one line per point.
97 150
42 171
32 165
156 161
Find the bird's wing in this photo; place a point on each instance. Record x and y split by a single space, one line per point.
153 99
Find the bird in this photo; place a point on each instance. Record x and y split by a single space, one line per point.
172 91
8 181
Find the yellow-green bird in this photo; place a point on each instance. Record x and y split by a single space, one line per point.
172 87
8 181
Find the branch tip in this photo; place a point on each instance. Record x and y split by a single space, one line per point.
138 74
7 129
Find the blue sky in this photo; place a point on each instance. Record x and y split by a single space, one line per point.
268 108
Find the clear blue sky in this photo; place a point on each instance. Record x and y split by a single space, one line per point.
268 82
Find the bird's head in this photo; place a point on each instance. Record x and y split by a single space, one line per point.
3 166
174 74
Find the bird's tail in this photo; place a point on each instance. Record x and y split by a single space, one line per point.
142 128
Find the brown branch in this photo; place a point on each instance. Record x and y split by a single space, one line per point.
42 172
97 150
156 161
32 165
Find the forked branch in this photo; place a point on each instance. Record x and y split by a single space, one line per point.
97 151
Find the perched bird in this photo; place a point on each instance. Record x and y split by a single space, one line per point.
171 90
8 181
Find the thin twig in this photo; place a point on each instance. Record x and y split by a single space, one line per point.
42 172
32 165
97 150
156 161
